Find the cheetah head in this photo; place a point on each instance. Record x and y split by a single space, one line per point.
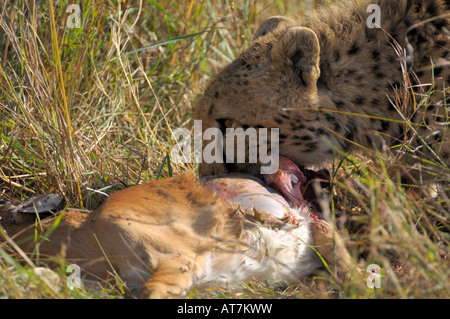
272 84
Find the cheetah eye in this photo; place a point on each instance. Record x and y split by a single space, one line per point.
229 123
300 75
225 123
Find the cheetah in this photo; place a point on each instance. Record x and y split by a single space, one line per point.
330 83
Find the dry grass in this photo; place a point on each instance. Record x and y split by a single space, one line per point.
90 110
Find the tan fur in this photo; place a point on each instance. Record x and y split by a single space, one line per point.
161 238
325 81
157 229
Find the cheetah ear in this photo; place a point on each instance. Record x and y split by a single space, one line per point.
273 23
298 49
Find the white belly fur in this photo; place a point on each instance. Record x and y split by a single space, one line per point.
275 256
